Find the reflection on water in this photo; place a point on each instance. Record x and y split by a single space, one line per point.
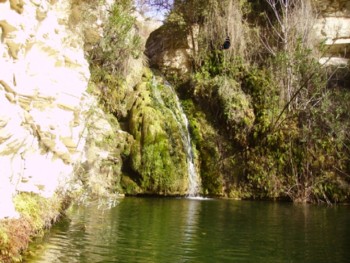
186 230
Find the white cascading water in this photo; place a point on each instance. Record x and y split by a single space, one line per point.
181 118
193 186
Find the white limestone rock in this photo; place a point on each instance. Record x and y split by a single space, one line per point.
43 79
333 27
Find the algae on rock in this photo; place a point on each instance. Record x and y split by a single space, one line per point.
157 159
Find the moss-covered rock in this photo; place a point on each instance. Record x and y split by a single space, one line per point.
107 146
157 157
209 155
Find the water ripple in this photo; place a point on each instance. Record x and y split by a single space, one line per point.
185 230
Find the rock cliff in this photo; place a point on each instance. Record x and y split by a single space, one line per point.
333 26
173 55
54 136
43 79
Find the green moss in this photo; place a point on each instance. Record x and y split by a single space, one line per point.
38 210
157 155
147 75
4 239
209 159
37 213
112 91
207 153
129 186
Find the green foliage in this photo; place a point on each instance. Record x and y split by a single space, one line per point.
4 239
278 117
186 13
292 154
326 147
244 102
14 238
206 141
38 210
258 84
267 128
300 162
119 40
157 156
213 64
110 60
111 91
210 149
36 213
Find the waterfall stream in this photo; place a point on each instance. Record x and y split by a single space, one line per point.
182 121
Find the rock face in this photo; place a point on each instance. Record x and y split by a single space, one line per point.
333 26
158 158
172 51
42 81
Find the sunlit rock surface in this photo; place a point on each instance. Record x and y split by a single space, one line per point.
43 78
172 51
333 27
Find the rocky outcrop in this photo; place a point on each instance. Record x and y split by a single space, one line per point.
100 168
43 77
333 27
158 161
53 135
171 50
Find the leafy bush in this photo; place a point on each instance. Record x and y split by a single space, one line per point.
119 40
110 59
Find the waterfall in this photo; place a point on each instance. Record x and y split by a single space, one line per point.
193 185
181 118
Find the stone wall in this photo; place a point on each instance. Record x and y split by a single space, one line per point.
43 77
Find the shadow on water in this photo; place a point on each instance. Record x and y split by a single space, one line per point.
193 230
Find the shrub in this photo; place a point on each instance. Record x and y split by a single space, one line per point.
37 213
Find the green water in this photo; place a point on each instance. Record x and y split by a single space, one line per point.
183 230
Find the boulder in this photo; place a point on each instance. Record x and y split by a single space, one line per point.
172 50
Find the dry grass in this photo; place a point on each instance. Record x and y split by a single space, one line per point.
226 19
14 238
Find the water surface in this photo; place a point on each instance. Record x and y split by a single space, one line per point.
186 230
